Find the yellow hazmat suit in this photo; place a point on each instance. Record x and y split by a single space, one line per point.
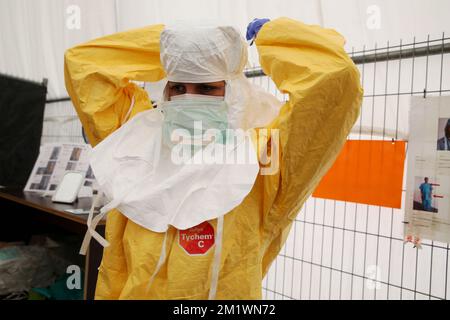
306 62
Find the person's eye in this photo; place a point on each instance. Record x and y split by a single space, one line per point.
178 89
208 88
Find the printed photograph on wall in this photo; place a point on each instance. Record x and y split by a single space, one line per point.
424 195
443 143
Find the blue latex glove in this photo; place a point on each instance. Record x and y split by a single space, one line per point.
254 27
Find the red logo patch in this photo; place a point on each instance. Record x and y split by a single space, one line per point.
197 240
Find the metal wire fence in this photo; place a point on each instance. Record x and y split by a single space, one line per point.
343 250
61 123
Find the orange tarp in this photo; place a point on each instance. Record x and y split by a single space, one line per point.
366 171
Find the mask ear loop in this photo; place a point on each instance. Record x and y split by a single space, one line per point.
166 92
227 94
165 97
127 116
216 260
227 98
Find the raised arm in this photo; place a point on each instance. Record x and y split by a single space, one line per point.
98 73
310 65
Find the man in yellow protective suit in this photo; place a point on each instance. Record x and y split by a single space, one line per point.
211 231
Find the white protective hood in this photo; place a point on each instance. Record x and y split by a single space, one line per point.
206 53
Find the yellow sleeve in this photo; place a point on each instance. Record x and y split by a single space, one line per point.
98 73
310 65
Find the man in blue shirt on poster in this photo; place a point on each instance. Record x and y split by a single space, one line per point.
426 190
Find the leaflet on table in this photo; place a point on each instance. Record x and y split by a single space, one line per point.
54 160
427 210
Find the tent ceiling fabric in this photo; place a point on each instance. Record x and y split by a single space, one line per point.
37 34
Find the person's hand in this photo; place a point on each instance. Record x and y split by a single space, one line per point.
254 27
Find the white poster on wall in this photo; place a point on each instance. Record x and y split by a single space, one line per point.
54 160
427 214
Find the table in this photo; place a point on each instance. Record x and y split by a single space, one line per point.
25 213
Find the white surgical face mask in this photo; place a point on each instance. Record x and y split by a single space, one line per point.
193 96
191 118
